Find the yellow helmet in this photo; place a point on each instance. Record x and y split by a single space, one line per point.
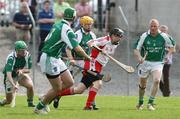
86 20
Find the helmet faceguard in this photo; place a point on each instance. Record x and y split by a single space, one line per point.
117 32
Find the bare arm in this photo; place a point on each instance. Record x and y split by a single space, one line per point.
20 71
17 25
9 77
70 56
45 20
138 56
82 52
22 26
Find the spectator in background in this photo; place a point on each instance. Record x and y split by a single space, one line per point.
164 83
23 23
59 7
82 9
32 6
45 20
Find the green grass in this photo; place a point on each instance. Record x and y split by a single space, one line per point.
111 107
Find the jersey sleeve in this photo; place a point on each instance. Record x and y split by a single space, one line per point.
99 41
168 41
9 64
141 41
69 37
78 36
173 41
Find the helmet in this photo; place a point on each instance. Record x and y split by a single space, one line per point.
86 20
117 32
20 45
69 14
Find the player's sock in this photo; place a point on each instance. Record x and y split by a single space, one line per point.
40 105
151 100
91 96
69 91
141 101
30 102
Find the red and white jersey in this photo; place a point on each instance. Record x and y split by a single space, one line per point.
100 60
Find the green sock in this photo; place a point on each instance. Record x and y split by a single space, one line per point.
151 100
40 105
141 101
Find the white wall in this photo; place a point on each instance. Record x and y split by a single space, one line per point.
166 11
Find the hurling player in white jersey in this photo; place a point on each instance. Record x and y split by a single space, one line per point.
108 45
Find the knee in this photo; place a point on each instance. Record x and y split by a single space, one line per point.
78 91
142 87
156 81
30 87
98 84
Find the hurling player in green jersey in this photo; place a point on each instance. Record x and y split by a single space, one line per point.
84 36
16 71
152 43
50 62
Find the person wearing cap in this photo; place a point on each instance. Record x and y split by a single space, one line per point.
106 44
60 78
16 71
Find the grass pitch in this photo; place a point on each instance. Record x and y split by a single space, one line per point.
111 107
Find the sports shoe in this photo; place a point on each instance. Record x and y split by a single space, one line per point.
41 111
30 104
47 108
94 107
139 106
88 108
56 102
150 107
2 103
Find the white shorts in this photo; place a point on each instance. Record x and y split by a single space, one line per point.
51 65
147 67
9 86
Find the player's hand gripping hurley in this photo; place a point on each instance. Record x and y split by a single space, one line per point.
142 59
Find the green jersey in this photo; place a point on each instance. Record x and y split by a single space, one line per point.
14 63
83 39
60 35
154 46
